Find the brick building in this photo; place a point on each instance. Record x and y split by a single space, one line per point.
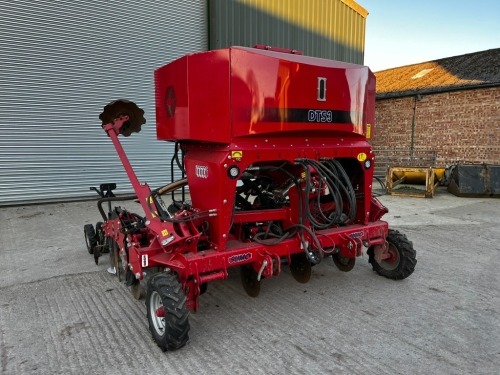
450 106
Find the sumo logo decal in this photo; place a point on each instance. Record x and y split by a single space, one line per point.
239 258
355 235
201 171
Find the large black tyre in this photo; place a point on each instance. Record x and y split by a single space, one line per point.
170 332
90 237
403 260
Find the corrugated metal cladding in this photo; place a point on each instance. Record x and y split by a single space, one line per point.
60 63
332 29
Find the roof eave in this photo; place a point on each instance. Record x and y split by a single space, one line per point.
356 7
437 90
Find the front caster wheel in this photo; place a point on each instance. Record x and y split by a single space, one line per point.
400 260
90 237
167 312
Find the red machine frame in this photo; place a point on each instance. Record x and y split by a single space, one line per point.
256 114
175 247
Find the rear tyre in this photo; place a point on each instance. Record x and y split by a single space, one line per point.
167 312
402 260
90 237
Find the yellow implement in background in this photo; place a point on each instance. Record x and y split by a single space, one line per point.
410 176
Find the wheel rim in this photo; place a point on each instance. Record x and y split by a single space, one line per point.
392 262
156 303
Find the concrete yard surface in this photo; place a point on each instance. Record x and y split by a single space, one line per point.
62 314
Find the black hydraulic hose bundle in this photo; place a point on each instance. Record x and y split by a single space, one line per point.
332 173
180 165
312 256
293 230
163 214
346 186
340 189
334 176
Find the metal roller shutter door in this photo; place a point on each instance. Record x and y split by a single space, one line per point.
60 63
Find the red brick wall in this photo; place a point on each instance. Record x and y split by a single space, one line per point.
460 126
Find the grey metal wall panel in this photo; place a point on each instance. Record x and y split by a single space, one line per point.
60 63
332 29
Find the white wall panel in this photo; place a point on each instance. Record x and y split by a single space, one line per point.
61 62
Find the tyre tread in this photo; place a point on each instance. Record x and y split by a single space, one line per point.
407 257
89 233
174 301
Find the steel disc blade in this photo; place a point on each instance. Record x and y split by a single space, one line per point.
137 290
249 281
300 268
122 107
344 264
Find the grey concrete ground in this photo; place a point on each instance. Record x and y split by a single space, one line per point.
62 314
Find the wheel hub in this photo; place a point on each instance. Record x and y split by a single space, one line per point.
160 312
390 260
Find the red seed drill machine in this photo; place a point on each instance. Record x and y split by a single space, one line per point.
272 147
